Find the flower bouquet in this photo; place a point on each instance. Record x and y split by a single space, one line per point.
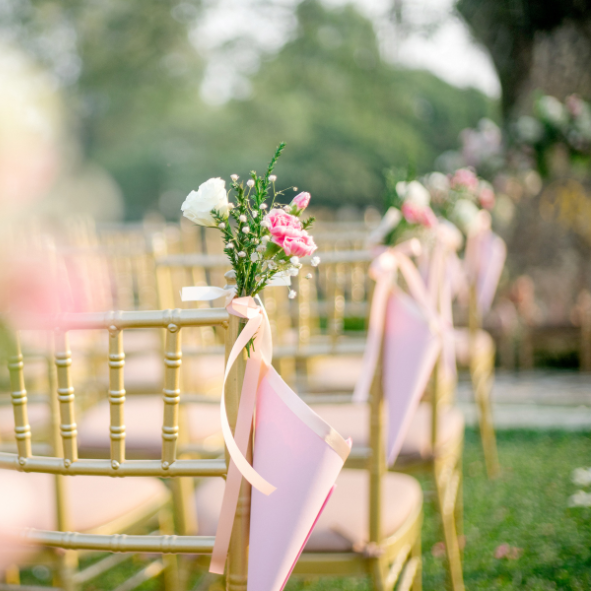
459 197
408 216
264 241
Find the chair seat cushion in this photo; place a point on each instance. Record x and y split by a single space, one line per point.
352 420
482 345
96 505
143 427
344 523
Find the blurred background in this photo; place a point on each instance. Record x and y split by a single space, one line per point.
123 108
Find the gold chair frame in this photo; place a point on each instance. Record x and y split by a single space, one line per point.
169 466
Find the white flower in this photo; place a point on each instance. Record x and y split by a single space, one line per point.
292 272
414 192
242 218
294 260
254 213
292 294
309 276
245 229
255 256
265 224
552 110
464 213
211 195
263 206
582 476
234 177
272 178
261 248
295 188
438 182
250 183
230 245
222 226
580 499
315 261
241 254
265 239
272 265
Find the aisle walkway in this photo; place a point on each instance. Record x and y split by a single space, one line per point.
535 399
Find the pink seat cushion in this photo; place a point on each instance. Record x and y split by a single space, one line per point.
143 426
344 521
483 345
352 420
95 503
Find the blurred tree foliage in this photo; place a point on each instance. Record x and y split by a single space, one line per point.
345 114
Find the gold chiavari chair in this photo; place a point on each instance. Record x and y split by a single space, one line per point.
127 508
434 445
371 526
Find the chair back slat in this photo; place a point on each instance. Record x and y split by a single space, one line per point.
65 391
116 395
172 393
22 429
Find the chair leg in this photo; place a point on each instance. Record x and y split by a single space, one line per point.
67 564
378 574
170 561
443 483
482 373
418 554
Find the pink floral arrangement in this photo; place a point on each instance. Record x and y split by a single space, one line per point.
262 240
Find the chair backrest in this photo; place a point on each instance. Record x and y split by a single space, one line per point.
65 461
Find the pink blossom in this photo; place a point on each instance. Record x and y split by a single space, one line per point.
301 201
411 212
575 105
300 245
282 224
428 218
464 178
418 214
487 198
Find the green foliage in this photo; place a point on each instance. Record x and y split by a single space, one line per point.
346 115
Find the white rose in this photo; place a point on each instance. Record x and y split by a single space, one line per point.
414 192
199 204
464 214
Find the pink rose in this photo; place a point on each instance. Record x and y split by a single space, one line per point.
301 201
487 198
411 212
300 245
282 224
428 218
418 214
464 178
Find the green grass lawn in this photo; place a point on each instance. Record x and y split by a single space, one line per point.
526 509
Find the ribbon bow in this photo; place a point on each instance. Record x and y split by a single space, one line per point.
383 270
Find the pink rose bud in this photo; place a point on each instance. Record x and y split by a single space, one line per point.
301 200
428 218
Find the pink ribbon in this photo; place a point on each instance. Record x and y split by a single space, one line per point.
258 328
383 270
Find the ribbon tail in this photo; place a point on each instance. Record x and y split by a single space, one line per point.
242 433
374 339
